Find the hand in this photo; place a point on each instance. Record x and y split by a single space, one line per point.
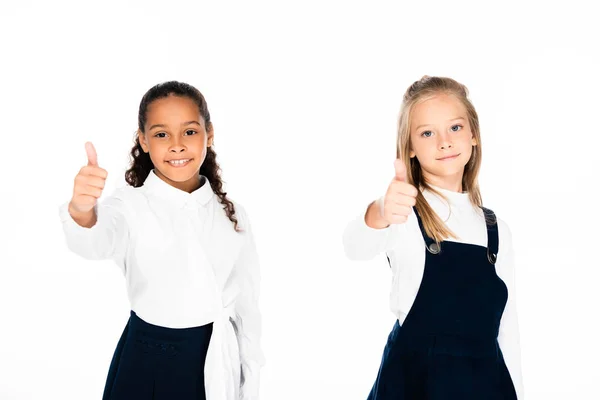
401 196
89 184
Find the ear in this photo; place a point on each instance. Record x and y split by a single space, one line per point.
473 141
142 138
210 135
412 154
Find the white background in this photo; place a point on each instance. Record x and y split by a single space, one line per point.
304 98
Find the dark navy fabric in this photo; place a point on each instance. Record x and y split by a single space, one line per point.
447 347
153 362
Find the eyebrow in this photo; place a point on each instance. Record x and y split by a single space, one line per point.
452 119
164 126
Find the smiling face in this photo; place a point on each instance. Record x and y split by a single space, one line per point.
441 139
176 137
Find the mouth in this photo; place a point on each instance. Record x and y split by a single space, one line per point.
179 163
452 157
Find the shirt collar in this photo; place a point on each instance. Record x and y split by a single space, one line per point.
457 199
199 197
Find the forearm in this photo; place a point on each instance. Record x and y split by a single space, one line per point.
367 235
373 216
96 235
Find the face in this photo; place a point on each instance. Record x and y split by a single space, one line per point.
441 139
177 139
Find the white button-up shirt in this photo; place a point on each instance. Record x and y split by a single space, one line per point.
185 266
405 247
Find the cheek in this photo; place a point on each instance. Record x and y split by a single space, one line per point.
202 156
467 136
424 148
467 140
157 150
201 146
467 151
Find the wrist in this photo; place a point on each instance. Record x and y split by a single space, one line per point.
374 215
86 219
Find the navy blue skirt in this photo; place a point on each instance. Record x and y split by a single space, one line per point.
440 367
153 362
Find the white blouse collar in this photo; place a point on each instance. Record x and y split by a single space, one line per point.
156 186
456 199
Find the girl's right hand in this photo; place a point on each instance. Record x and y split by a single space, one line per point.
396 205
401 196
89 184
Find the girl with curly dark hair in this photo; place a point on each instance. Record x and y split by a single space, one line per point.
188 255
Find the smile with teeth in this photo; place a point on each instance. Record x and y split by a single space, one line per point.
179 163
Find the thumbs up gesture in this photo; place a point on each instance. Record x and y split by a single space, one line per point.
89 184
401 196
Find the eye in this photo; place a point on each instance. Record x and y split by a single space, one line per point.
456 128
190 132
427 134
159 134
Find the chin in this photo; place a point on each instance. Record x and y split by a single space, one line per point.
445 172
180 175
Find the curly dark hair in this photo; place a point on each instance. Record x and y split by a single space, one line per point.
141 164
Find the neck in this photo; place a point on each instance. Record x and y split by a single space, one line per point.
452 183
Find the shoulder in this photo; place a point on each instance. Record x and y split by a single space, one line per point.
240 212
118 197
503 228
241 215
124 198
123 192
130 193
506 259
505 241
504 235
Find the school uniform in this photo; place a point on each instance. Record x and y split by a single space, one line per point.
456 333
192 282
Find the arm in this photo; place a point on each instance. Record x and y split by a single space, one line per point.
509 337
367 235
102 234
248 318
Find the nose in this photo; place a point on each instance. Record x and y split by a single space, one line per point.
444 142
176 145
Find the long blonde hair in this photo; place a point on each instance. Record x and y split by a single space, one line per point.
419 91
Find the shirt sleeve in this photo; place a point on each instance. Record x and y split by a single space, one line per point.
361 242
248 317
509 336
107 239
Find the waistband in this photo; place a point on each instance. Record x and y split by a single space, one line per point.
445 343
139 325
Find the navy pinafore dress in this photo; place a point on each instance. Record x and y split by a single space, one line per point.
447 347
156 363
